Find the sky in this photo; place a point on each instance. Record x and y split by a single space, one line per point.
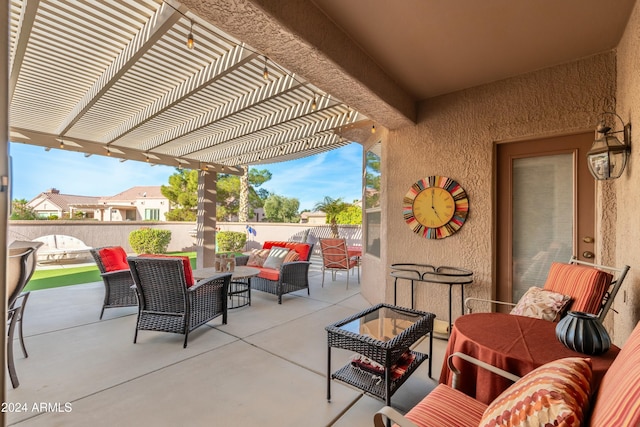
337 174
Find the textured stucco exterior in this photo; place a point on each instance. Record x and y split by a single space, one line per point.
456 137
625 216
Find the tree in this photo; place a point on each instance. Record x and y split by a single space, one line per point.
21 210
352 214
228 188
281 209
332 207
182 192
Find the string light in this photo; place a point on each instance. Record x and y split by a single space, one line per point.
146 158
373 129
265 72
108 151
349 114
314 104
190 42
203 167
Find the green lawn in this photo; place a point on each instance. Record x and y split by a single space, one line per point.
57 277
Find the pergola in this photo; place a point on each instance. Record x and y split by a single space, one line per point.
117 78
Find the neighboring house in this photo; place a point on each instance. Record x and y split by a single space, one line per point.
135 204
317 217
52 203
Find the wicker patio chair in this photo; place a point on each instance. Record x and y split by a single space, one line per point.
292 277
166 301
335 257
119 288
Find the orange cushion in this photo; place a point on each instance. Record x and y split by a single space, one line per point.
586 285
269 274
301 248
445 406
618 400
114 258
186 265
555 394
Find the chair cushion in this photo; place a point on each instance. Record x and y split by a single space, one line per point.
446 406
114 258
542 304
257 257
586 285
618 400
186 265
276 257
269 274
301 248
555 394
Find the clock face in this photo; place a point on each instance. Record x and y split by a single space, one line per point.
435 207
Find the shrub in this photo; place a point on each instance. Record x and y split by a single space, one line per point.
149 240
230 241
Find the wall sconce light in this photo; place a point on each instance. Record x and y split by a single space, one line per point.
608 156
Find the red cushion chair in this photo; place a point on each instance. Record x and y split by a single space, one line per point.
290 277
119 290
186 265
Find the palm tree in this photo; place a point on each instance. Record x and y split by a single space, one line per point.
332 207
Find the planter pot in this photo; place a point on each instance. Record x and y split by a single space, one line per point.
584 333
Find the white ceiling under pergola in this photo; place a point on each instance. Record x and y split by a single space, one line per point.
116 78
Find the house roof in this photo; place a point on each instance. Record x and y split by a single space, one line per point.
134 193
63 201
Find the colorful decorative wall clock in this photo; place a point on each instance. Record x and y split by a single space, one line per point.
435 207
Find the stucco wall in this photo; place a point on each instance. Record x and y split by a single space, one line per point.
455 137
627 230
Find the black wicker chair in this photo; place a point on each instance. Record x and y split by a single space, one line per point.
166 304
119 288
293 277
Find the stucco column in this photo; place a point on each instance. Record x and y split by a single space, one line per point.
206 219
4 195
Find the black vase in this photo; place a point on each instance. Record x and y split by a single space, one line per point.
584 333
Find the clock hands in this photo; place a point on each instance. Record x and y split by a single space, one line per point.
433 206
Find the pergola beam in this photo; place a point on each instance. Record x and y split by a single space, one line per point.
49 141
27 18
227 63
165 17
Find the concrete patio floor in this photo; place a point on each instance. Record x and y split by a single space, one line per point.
266 367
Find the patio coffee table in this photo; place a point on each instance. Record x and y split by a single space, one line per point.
382 333
239 287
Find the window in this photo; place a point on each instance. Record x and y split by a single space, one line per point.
152 214
372 215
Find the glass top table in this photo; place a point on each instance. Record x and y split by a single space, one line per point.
383 333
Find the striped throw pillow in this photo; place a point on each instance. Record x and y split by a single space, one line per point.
555 394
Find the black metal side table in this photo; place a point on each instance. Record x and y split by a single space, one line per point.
382 333
426 273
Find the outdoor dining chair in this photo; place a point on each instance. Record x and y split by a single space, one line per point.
22 264
586 287
335 257
170 301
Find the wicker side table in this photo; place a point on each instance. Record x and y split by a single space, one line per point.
382 333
